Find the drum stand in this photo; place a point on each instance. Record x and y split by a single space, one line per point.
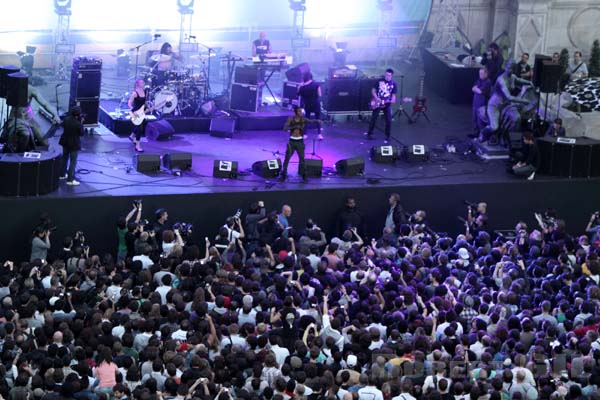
137 53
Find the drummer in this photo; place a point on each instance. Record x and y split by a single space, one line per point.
164 61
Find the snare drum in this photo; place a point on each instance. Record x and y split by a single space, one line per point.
164 100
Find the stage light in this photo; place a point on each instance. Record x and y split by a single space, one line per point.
340 53
185 6
298 5
62 7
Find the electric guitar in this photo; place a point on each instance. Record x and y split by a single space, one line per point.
138 116
420 100
381 103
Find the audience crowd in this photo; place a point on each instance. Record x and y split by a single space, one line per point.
275 308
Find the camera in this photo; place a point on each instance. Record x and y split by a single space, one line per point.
237 214
137 203
183 227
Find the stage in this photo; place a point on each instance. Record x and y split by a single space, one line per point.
439 185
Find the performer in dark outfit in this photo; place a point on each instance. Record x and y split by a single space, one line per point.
481 94
261 46
493 62
296 126
310 95
384 92
137 100
71 144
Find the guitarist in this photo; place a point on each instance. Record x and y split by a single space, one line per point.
137 101
384 94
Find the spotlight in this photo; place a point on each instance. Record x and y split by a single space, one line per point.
340 53
62 7
185 6
298 5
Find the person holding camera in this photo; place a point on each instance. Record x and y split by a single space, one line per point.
122 228
593 227
71 144
40 244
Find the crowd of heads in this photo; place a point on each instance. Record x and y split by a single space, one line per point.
275 308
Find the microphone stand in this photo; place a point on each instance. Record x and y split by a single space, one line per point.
137 53
210 51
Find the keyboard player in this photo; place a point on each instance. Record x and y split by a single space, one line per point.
261 46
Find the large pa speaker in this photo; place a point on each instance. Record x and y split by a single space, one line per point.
350 166
159 130
549 77
245 97
180 161
384 154
245 74
16 89
225 169
296 74
290 93
341 95
146 162
313 167
267 168
537 68
89 107
6 70
85 84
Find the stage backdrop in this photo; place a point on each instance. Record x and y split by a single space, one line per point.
101 27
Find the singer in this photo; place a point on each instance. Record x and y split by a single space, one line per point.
296 125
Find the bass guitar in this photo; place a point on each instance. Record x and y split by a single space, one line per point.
381 103
138 116
420 105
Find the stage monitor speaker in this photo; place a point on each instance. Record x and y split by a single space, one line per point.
16 89
182 161
146 162
225 169
515 140
550 76
350 166
313 167
417 152
247 75
537 68
296 74
90 108
159 130
384 154
222 127
85 84
245 97
6 70
267 168
341 95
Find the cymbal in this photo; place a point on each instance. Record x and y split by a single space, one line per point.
161 57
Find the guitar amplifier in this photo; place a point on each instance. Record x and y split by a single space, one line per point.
290 93
245 97
87 64
345 72
246 74
341 95
364 93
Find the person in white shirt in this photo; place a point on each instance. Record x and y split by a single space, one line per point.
164 288
234 338
145 257
281 353
369 391
407 385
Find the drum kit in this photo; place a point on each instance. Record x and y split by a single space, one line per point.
184 86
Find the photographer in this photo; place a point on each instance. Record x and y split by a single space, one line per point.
593 227
122 228
71 144
231 224
40 244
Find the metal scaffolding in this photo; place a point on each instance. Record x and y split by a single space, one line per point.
63 48
446 27
299 42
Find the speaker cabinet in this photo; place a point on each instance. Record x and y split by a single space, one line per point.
159 130
146 162
246 75
16 89
313 168
537 68
290 93
85 84
245 97
341 95
267 168
350 166
6 70
180 161
417 152
296 74
225 169
549 77
364 93
90 108
384 154
222 127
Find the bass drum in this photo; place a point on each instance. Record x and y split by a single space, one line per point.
164 101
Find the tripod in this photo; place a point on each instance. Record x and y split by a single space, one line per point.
401 111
